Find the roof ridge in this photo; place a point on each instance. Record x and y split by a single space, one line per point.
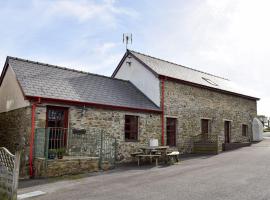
177 64
63 68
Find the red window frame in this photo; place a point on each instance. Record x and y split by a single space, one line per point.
58 132
131 128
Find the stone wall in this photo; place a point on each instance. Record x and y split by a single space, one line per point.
112 122
65 166
190 104
15 128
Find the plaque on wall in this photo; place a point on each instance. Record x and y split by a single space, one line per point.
78 131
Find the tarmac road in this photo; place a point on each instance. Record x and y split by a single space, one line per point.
237 175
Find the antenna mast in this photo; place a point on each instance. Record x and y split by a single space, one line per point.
127 38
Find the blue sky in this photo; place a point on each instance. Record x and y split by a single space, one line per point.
229 38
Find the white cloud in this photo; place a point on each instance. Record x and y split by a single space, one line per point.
84 11
229 38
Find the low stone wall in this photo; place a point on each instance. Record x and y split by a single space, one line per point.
65 166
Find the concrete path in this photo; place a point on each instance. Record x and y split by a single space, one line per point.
239 174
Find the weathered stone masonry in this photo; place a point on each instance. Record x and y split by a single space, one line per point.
15 128
189 104
113 123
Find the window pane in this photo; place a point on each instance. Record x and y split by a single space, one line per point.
244 129
131 127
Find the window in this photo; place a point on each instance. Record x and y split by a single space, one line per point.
209 81
244 130
131 128
205 126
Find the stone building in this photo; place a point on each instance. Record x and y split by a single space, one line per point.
145 98
191 101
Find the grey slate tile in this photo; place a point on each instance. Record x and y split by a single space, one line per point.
43 80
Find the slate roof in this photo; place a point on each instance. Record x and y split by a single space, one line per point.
50 81
176 71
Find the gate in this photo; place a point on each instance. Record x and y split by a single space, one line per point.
107 151
9 174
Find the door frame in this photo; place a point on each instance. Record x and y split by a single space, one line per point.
65 109
175 131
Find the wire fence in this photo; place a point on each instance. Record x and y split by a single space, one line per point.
54 143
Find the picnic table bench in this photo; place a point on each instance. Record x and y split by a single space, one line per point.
155 153
173 156
155 156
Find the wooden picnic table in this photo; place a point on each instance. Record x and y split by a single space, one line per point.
152 152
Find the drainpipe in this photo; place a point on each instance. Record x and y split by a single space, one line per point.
162 111
31 142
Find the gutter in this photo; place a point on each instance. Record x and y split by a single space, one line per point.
162 111
32 138
97 105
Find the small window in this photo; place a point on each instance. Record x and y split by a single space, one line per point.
244 130
205 126
209 81
131 128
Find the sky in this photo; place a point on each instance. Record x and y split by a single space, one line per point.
229 38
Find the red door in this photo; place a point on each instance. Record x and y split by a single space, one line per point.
171 131
57 122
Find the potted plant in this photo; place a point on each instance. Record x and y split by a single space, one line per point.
60 153
51 153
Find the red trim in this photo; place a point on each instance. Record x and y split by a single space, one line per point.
207 87
32 140
65 109
79 103
162 111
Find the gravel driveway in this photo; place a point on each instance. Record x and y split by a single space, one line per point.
239 174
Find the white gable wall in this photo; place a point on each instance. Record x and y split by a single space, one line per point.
141 77
11 96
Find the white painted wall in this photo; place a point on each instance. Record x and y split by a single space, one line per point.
141 77
11 96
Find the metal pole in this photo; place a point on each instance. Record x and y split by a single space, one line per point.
101 149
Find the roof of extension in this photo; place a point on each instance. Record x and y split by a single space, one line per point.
50 81
186 74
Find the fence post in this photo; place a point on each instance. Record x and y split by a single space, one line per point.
101 150
16 175
46 150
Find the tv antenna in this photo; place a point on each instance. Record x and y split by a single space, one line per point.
127 38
